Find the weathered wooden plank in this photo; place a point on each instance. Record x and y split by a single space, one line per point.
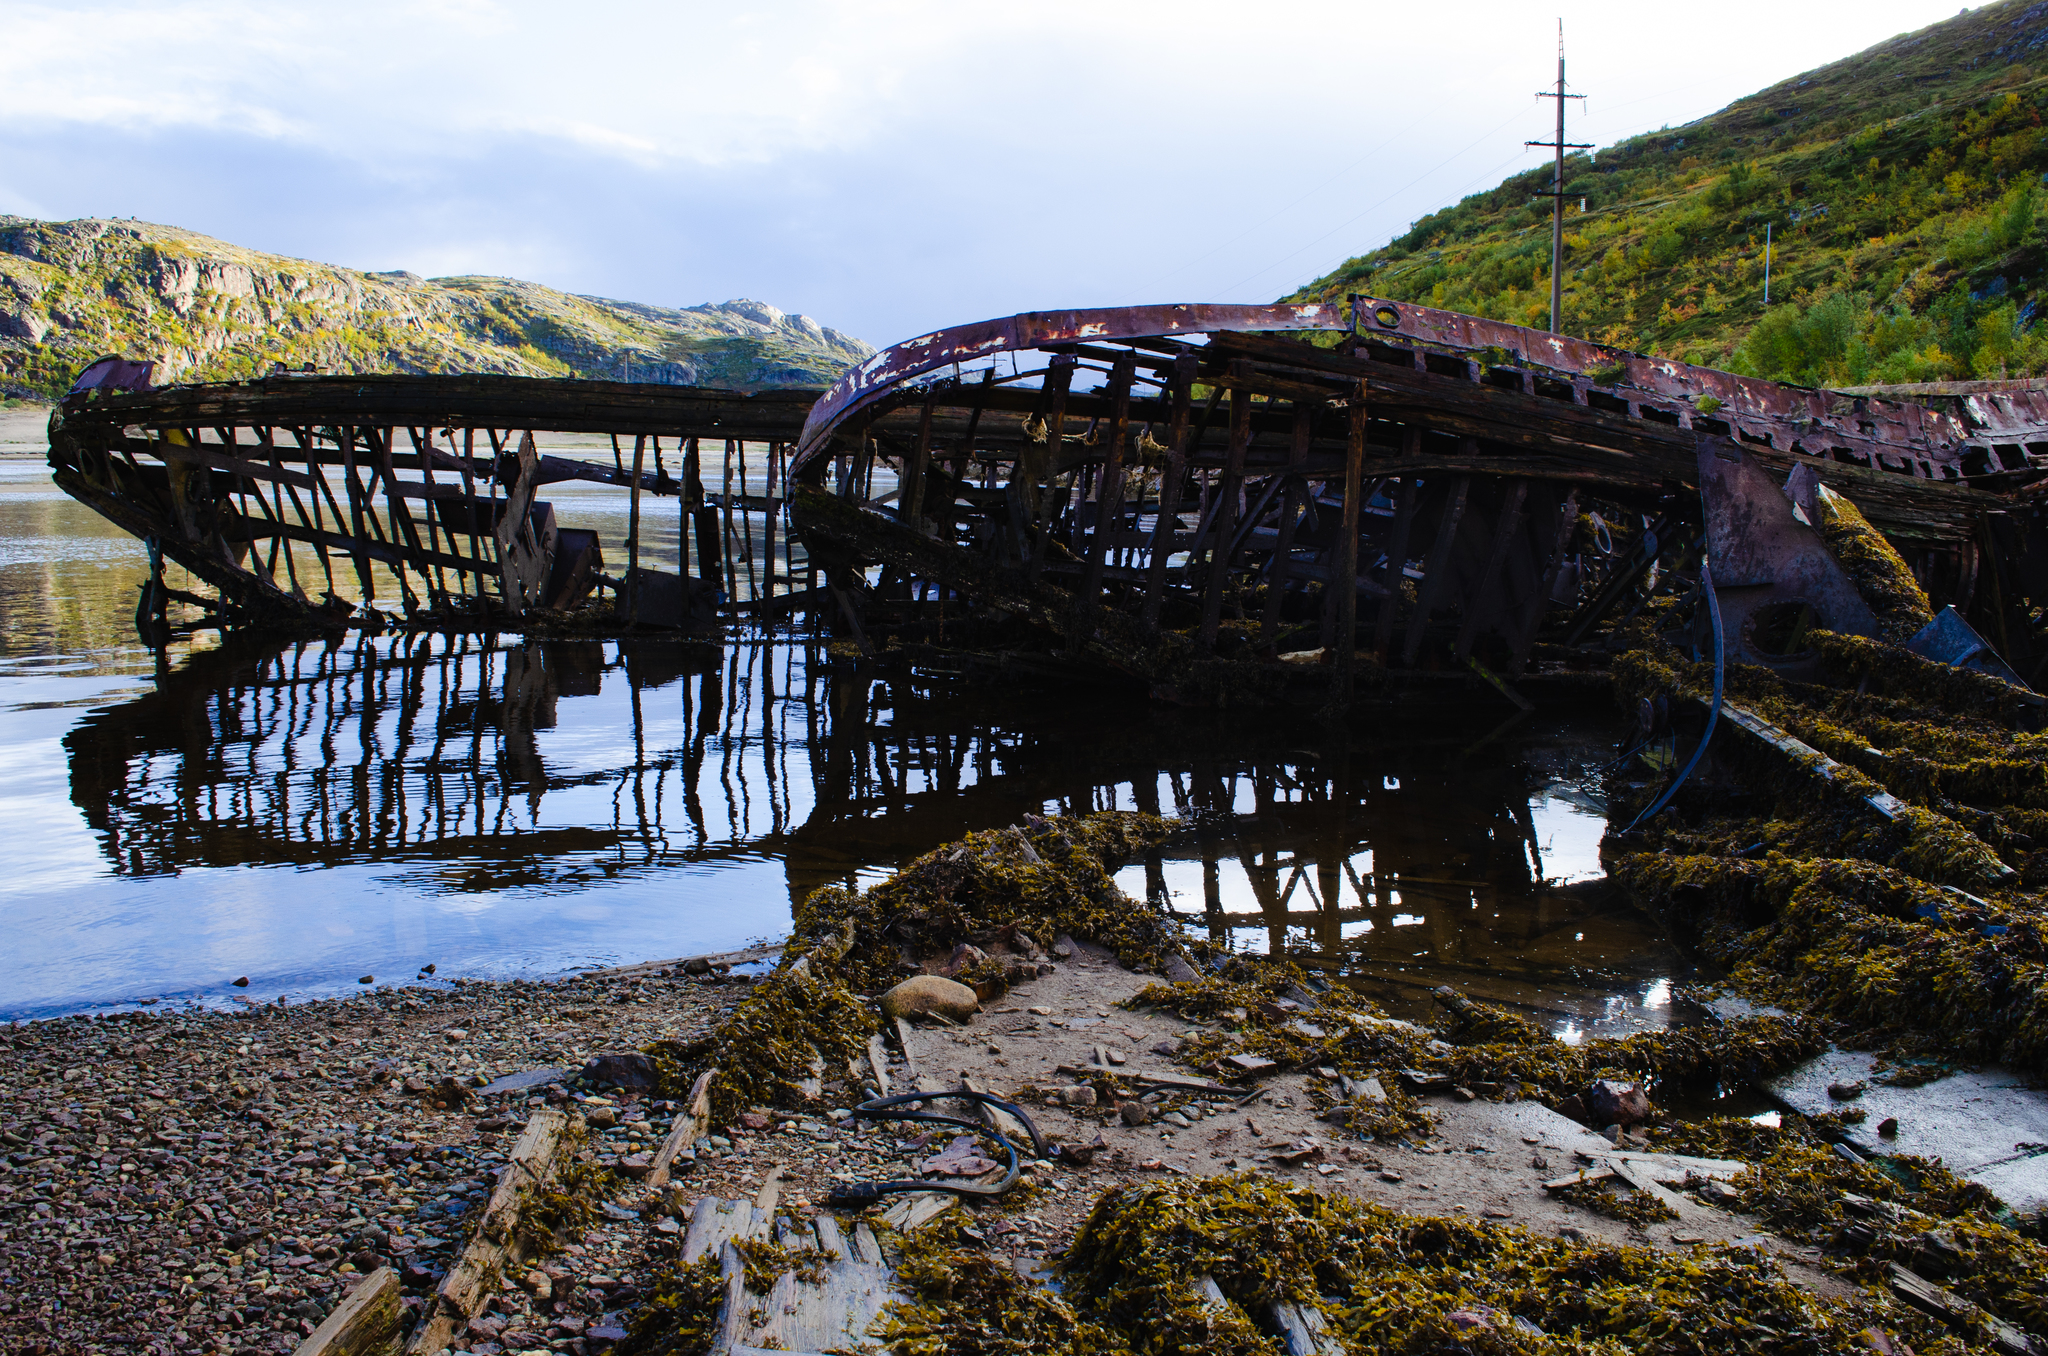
711 960
1167 523
1226 517
690 1125
496 1244
1282 566
366 1323
1345 626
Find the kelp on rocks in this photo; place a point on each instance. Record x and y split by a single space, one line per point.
814 1012
1382 1281
1474 1044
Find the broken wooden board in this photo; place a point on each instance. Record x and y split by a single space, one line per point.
1303 1331
1936 1302
828 1310
709 962
1153 1078
366 1323
915 1209
689 1126
496 1245
714 1223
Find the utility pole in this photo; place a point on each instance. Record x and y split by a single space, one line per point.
1556 193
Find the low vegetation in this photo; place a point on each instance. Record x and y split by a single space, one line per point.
1900 189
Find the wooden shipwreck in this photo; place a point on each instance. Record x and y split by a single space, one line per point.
421 500
1209 501
1188 493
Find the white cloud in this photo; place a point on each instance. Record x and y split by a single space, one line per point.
888 166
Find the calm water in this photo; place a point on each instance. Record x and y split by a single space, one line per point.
305 814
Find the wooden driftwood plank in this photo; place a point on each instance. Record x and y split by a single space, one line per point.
1599 1174
1932 1299
1186 1082
878 1060
689 1125
742 957
1644 1179
1302 1331
914 1209
832 1312
366 1323
496 1244
714 1222
997 1119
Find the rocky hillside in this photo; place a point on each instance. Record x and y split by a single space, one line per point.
1899 187
71 291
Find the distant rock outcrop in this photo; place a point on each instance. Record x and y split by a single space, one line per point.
206 310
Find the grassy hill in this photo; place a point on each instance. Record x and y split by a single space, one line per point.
71 291
1904 191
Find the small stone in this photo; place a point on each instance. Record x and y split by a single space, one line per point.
1176 1120
1134 1114
923 995
1081 1096
1888 1127
1495 1212
1464 1094
1039 1012
1845 1092
751 1120
241 983
427 969
1688 1239
366 979
602 1117
1391 1176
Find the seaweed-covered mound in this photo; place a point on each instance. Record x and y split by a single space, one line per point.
814 1012
1880 574
1045 877
1201 1265
1262 1007
1902 1209
1923 933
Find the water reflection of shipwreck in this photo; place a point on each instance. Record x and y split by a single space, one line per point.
1208 500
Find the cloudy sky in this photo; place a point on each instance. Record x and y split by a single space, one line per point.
887 166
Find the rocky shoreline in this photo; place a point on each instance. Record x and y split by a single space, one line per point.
214 1181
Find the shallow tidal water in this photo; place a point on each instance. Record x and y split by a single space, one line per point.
305 814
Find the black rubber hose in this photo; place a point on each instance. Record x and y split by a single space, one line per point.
1713 713
885 1109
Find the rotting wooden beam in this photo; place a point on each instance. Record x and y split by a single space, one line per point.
1109 494
496 1244
1345 586
710 960
1224 530
368 1322
1281 568
1170 478
691 1124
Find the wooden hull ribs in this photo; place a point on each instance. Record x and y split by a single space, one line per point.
1210 502
1211 499
424 501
